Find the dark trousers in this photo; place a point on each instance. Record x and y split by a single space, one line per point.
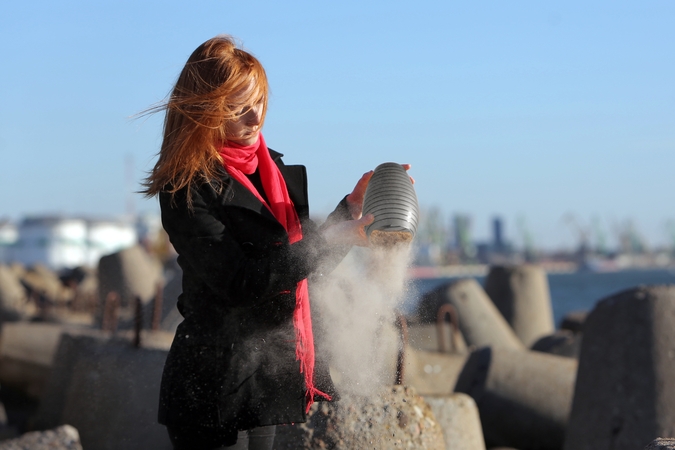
261 438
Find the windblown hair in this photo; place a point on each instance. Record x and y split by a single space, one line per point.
207 95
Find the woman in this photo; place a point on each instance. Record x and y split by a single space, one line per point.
243 358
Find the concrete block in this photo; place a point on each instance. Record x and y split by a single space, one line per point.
108 390
432 373
44 281
12 295
392 418
625 390
662 444
64 437
27 352
524 397
130 272
574 321
480 322
173 287
561 343
425 336
458 416
522 296
30 341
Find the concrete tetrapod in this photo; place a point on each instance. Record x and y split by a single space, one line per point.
388 418
130 272
524 397
425 336
108 390
574 321
480 322
27 351
561 343
458 416
522 295
64 437
12 295
41 280
661 444
432 373
625 391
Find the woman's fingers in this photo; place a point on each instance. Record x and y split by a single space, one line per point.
362 223
362 184
407 167
355 199
361 239
365 221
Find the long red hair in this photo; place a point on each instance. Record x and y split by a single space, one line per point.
200 105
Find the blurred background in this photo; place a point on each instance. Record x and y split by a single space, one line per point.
536 132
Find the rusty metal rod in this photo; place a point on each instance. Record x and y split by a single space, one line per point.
447 310
110 312
402 325
138 321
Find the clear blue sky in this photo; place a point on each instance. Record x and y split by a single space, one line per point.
523 109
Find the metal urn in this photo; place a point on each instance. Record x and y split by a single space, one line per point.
391 198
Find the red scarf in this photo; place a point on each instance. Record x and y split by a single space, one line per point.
240 161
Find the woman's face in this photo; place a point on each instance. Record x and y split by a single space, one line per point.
246 128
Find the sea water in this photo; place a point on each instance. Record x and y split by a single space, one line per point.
569 291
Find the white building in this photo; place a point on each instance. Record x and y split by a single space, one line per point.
55 242
59 242
148 227
8 237
105 237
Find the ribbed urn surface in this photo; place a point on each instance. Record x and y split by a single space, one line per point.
391 198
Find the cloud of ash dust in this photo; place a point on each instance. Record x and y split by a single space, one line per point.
357 305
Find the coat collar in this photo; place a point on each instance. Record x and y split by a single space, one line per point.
238 195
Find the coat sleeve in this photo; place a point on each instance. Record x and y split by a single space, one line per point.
335 253
340 214
216 256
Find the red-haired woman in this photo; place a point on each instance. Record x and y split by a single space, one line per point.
243 358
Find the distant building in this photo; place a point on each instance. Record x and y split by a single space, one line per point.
61 242
497 235
463 241
105 237
55 242
148 226
8 237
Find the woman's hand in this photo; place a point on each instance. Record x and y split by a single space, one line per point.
355 199
349 232
407 167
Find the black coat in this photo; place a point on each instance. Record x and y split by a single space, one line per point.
232 362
